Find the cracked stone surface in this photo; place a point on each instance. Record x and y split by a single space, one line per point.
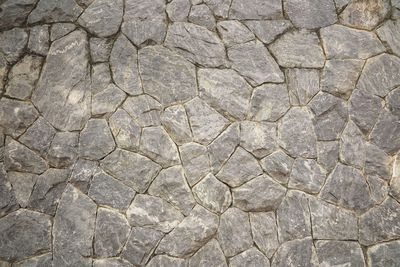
199 133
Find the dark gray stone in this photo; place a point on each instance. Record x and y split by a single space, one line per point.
307 176
328 154
255 9
144 109
298 252
303 85
386 254
389 33
59 30
82 174
234 32
100 49
39 136
264 231
63 150
278 165
202 15
175 121
336 253
268 30
12 43
107 100
125 130
39 39
55 11
22 184
210 254
386 133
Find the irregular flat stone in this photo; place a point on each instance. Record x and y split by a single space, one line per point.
377 162
63 150
12 43
164 260
202 15
196 44
268 30
219 7
240 168
298 252
8 201
144 109
131 168
234 32
389 33
13 13
393 101
234 233
347 188
59 30
332 222
293 217
264 232
328 154
73 229
226 91
82 174
303 84
380 223
22 184
386 133
23 76
250 257
380 75
311 14
153 212
299 49
195 161
105 190
297 135
29 231
55 11
365 14
140 245
111 262
111 232
100 49
107 100
331 253
39 39
255 9
101 77
345 43
330 118
67 105
102 17
278 165
260 139
171 185
124 66
253 61
212 194
44 260
96 140
378 187
18 157
307 176
269 102
206 123
190 235
166 76
16 116
339 76
395 182
178 10
125 130
209 254
3 70
176 123
386 254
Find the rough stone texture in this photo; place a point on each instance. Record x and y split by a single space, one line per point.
250 257
234 32
386 254
389 33
268 30
303 84
278 165
12 44
255 9
125 130
258 138
13 13
299 252
144 109
202 15
352 146
39 40
331 253
38 136
209 254
107 100
307 176
64 149
328 154
176 123
22 184
195 161
386 133
55 11
264 232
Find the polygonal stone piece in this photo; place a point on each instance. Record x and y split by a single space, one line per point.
12 44
100 49
268 30
44 260
328 154
386 133
164 260
13 13
260 139
176 123
39 135
107 100
393 101
39 39
8 201
209 254
278 165
125 130
377 162
250 257
303 84
299 252
195 161
202 15
64 149
307 176
101 77
82 174
59 30
22 184
178 10
234 32
111 262
389 33
264 231
333 252
386 254
255 9
54 11
219 7
144 109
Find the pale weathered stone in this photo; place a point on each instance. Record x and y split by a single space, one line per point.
101 77
209 255
125 130
133 169
253 61
393 101
389 33
260 139
144 109
164 260
22 184
59 30
178 10
377 162
268 30
264 232
298 252
255 9
234 32
219 7
176 123
378 187
55 11
44 260
386 254
39 39
107 100
195 161
307 176
38 137
8 201
386 133
298 49
14 12
250 257
63 150
334 253
111 262
278 165
12 43
82 174
303 84
202 15
153 212
100 49
328 154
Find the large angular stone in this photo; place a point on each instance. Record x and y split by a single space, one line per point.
255 9
195 161
202 15
191 234
63 150
125 130
62 94
111 232
298 49
12 44
234 233
210 254
171 185
240 168
196 43
334 253
73 229
278 165
386 133
352 146
260 139
55 11
307 176
269 102
102 17
299 252
153 212
234 32
264 232
131 168
389 33
250 257
164 260
144 109
311 14
297 135
39 135
176 123
303 84
14 12
253 61
226 91
100 48
107 100
268 30
124 66
23 234
166 76
386 254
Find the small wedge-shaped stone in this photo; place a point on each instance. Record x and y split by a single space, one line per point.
196 43
67 105
386 133
297 135
332 222
14 12
303 84
209 255
269 102
299 49
393 101
107 100
352 146
144 109
102 17
24 234
100 48
54 11
307 176
386 254
124 66
250 257
195 161
206 123
73 229
125 130
111 262
389 33
153 212
176 123
171 185
22 184
202 15
260 139
278 165
44 260
336 253
191 234
255 9
377 162
234 233
240 168
133 169
82 174
96 140
268 30
346 187
234 32
260 194
328 154
226 91
105 190
343 43
381 223
164 260
264 232
311 14
157 145
166 76
380 75
212 194
253 61
18 157
39 135
64 149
